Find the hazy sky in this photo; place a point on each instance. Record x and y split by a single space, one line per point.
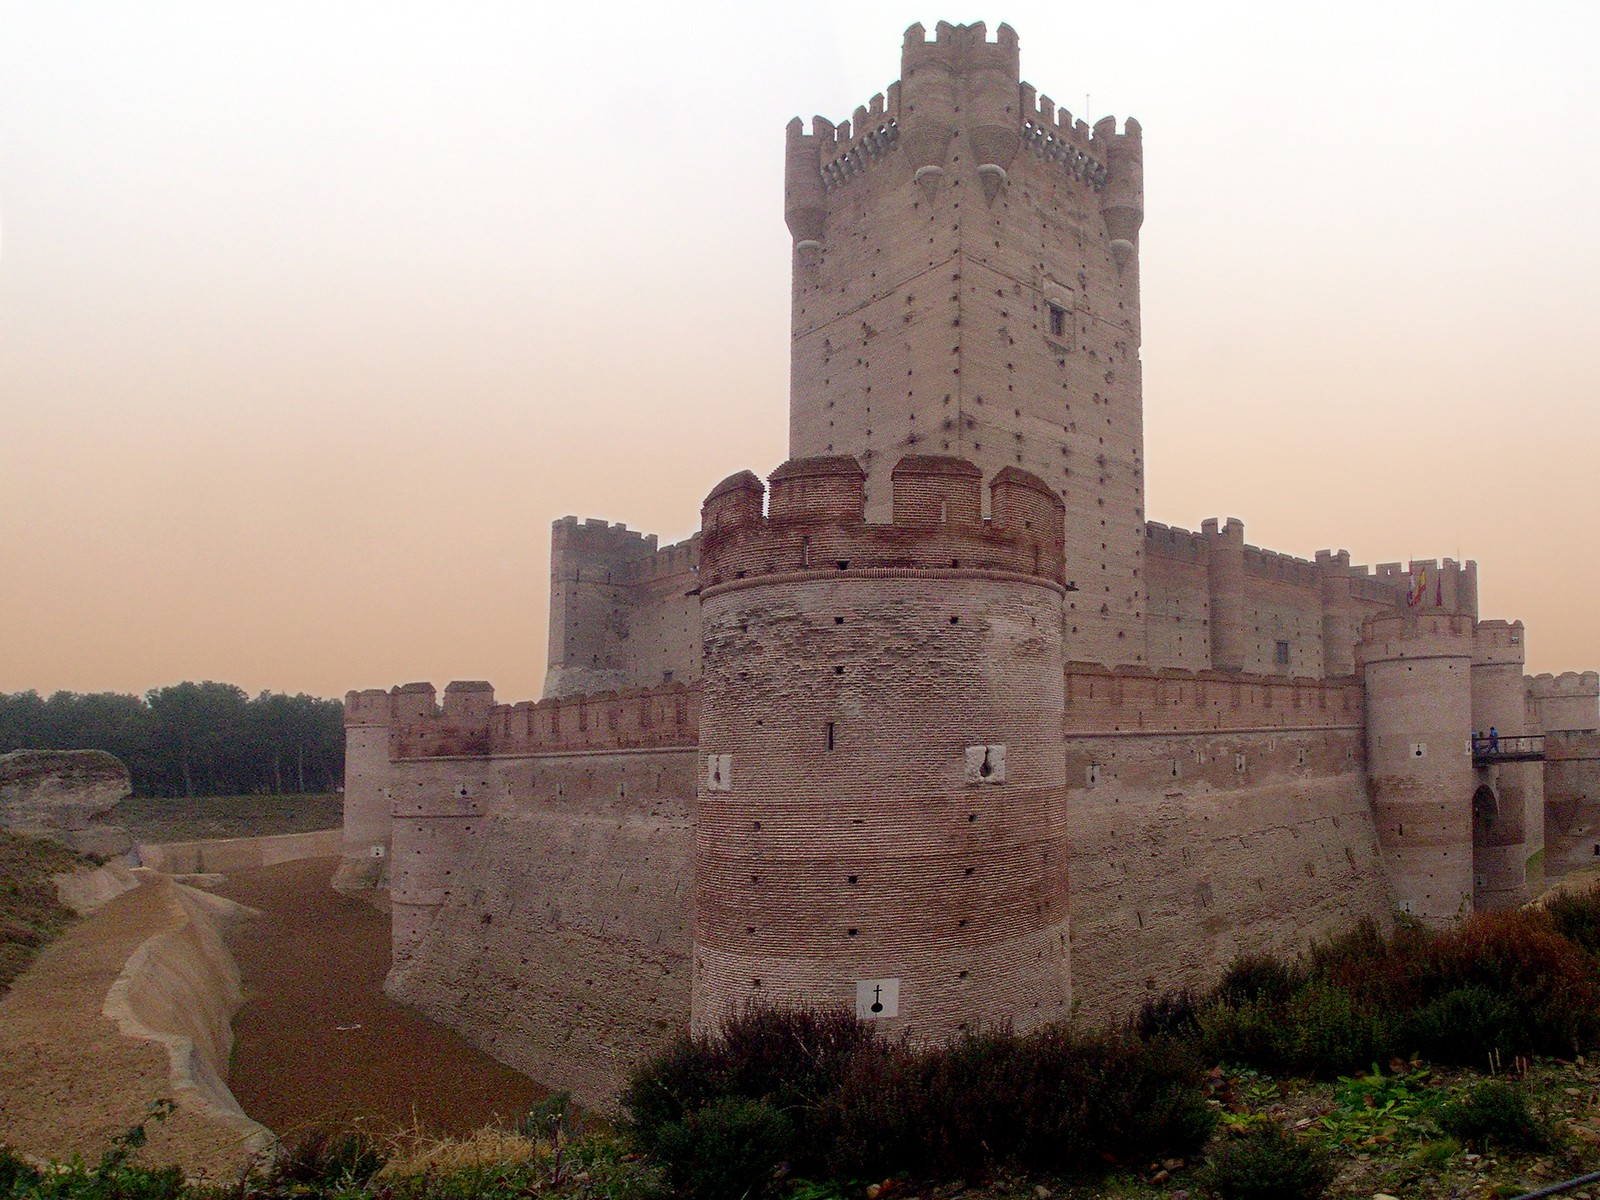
314 315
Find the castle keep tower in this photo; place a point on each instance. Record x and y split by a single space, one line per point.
966 282
881 820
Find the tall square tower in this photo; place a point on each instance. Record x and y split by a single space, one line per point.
966 282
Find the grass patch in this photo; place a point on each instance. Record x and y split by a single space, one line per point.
201 818
30 915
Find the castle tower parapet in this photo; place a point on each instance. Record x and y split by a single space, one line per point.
1416 667
1569 702
814 523
881 821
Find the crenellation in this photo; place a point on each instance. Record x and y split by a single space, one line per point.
814 523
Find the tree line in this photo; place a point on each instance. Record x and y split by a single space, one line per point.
191 739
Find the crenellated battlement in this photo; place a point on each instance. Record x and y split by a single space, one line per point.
471 724
813 520
599 532
1415 633
1125 699
1565 703
1170 541
1283 568
676 560
1567 684
967 43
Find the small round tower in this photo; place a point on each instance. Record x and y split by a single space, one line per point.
881 818
364 850
1417 668
1508 802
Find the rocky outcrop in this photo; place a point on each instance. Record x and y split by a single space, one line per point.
67 796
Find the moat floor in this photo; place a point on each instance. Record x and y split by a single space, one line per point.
317 1040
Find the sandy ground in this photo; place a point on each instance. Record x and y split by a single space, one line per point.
318 1041
69 1080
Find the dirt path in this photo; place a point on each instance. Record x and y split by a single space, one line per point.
317 1040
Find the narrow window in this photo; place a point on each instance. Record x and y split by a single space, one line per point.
1058 321
1281 654
830 735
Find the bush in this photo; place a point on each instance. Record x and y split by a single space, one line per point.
856 1106
1171 1014
17 1177
1323 1029
1057 1101
326 1156
1576 917
788 1058
1242 1033
1548 985
1495 1112
725 1151
1253 978
1464 1025
1268 1163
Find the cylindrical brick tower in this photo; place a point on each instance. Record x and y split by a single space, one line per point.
1417 669
881 819
1509 794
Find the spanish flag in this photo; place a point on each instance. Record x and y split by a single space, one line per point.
1418 589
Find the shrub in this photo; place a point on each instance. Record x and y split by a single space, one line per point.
1057 1100
1129 1100
326 1156
1268 1163
860 1107
1576 917
1463 1025
1324 1030
1548 986
685 1076
790 1059
1252 978
17 1177
725 1151
1247 1032
1494 1112
1171 1014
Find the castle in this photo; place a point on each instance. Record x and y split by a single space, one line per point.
934 722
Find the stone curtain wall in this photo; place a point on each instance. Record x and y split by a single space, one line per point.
1187 849
555 934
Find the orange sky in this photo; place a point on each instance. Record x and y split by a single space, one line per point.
313 317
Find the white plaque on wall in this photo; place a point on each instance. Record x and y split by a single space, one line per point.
877 998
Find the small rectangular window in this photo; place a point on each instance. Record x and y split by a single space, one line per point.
830 735
1281 655
1058 321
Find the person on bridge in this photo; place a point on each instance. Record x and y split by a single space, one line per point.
1494 739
